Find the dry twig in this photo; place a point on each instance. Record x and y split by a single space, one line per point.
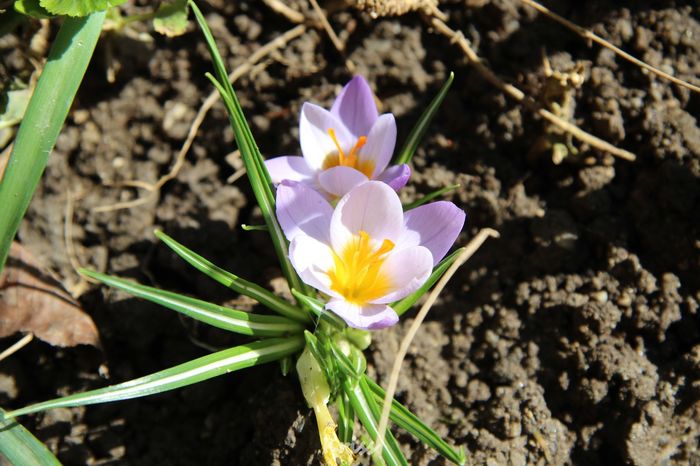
337 43
458 38
280 7
469 250
18 345
589 35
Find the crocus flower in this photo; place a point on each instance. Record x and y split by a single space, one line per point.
343 147
366 252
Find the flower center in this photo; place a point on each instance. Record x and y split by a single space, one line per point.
351 159
357 274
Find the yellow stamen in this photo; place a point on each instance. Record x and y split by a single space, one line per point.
357 273
351 159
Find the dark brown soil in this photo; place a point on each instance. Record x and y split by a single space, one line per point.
572 339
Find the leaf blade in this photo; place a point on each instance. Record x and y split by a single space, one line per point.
19 446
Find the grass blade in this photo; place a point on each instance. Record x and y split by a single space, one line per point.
197 370
411 144
406 303
252 159
68 59
19 446
429 197
236 283
318 308
402 417
346 418
222 317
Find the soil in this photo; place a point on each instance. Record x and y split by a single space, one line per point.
572 339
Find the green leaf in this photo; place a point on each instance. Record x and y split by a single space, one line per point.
406 303
20 447
346 418
402 417
197 370
222 317
15 105
367 410
252 159
32 8
430 197
236 283
171 18
414 138
77 7
48 107
318 308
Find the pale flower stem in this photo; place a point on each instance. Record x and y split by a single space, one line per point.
469 250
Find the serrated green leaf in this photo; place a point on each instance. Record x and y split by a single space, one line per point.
32 8
414 138
429 197
402 417
20 447
252 159
77 8
406 303
197 370
236 283
171 18
222 317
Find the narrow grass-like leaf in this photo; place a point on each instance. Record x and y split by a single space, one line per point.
346 418
252 159
68 59
318 308
236 283
429 197
406 303
402 417
20 447
414 138
197 370
367 411
245 323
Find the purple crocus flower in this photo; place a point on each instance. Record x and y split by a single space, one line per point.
366 252
343 147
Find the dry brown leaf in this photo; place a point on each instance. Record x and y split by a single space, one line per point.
32 301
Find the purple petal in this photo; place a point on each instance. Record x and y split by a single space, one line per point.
355 106
340 180
302 210
396 176
435 226
367 317
292 168
312 259
372 207
407 270
380 144
316 143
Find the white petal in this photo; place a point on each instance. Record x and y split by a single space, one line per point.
340 180
367 317
312 259
407 270
315 141
292 168
380 144
435 226
372 207
301 210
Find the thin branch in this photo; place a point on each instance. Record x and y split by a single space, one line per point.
24 341
458 38
589 35
469 250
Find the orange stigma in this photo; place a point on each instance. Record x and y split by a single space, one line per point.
350 159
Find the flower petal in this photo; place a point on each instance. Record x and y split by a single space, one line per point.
380 144
396 176
301 210
340 180
367 317
407 269
312 259
372 207
355 106
315 141
292 168
435 226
